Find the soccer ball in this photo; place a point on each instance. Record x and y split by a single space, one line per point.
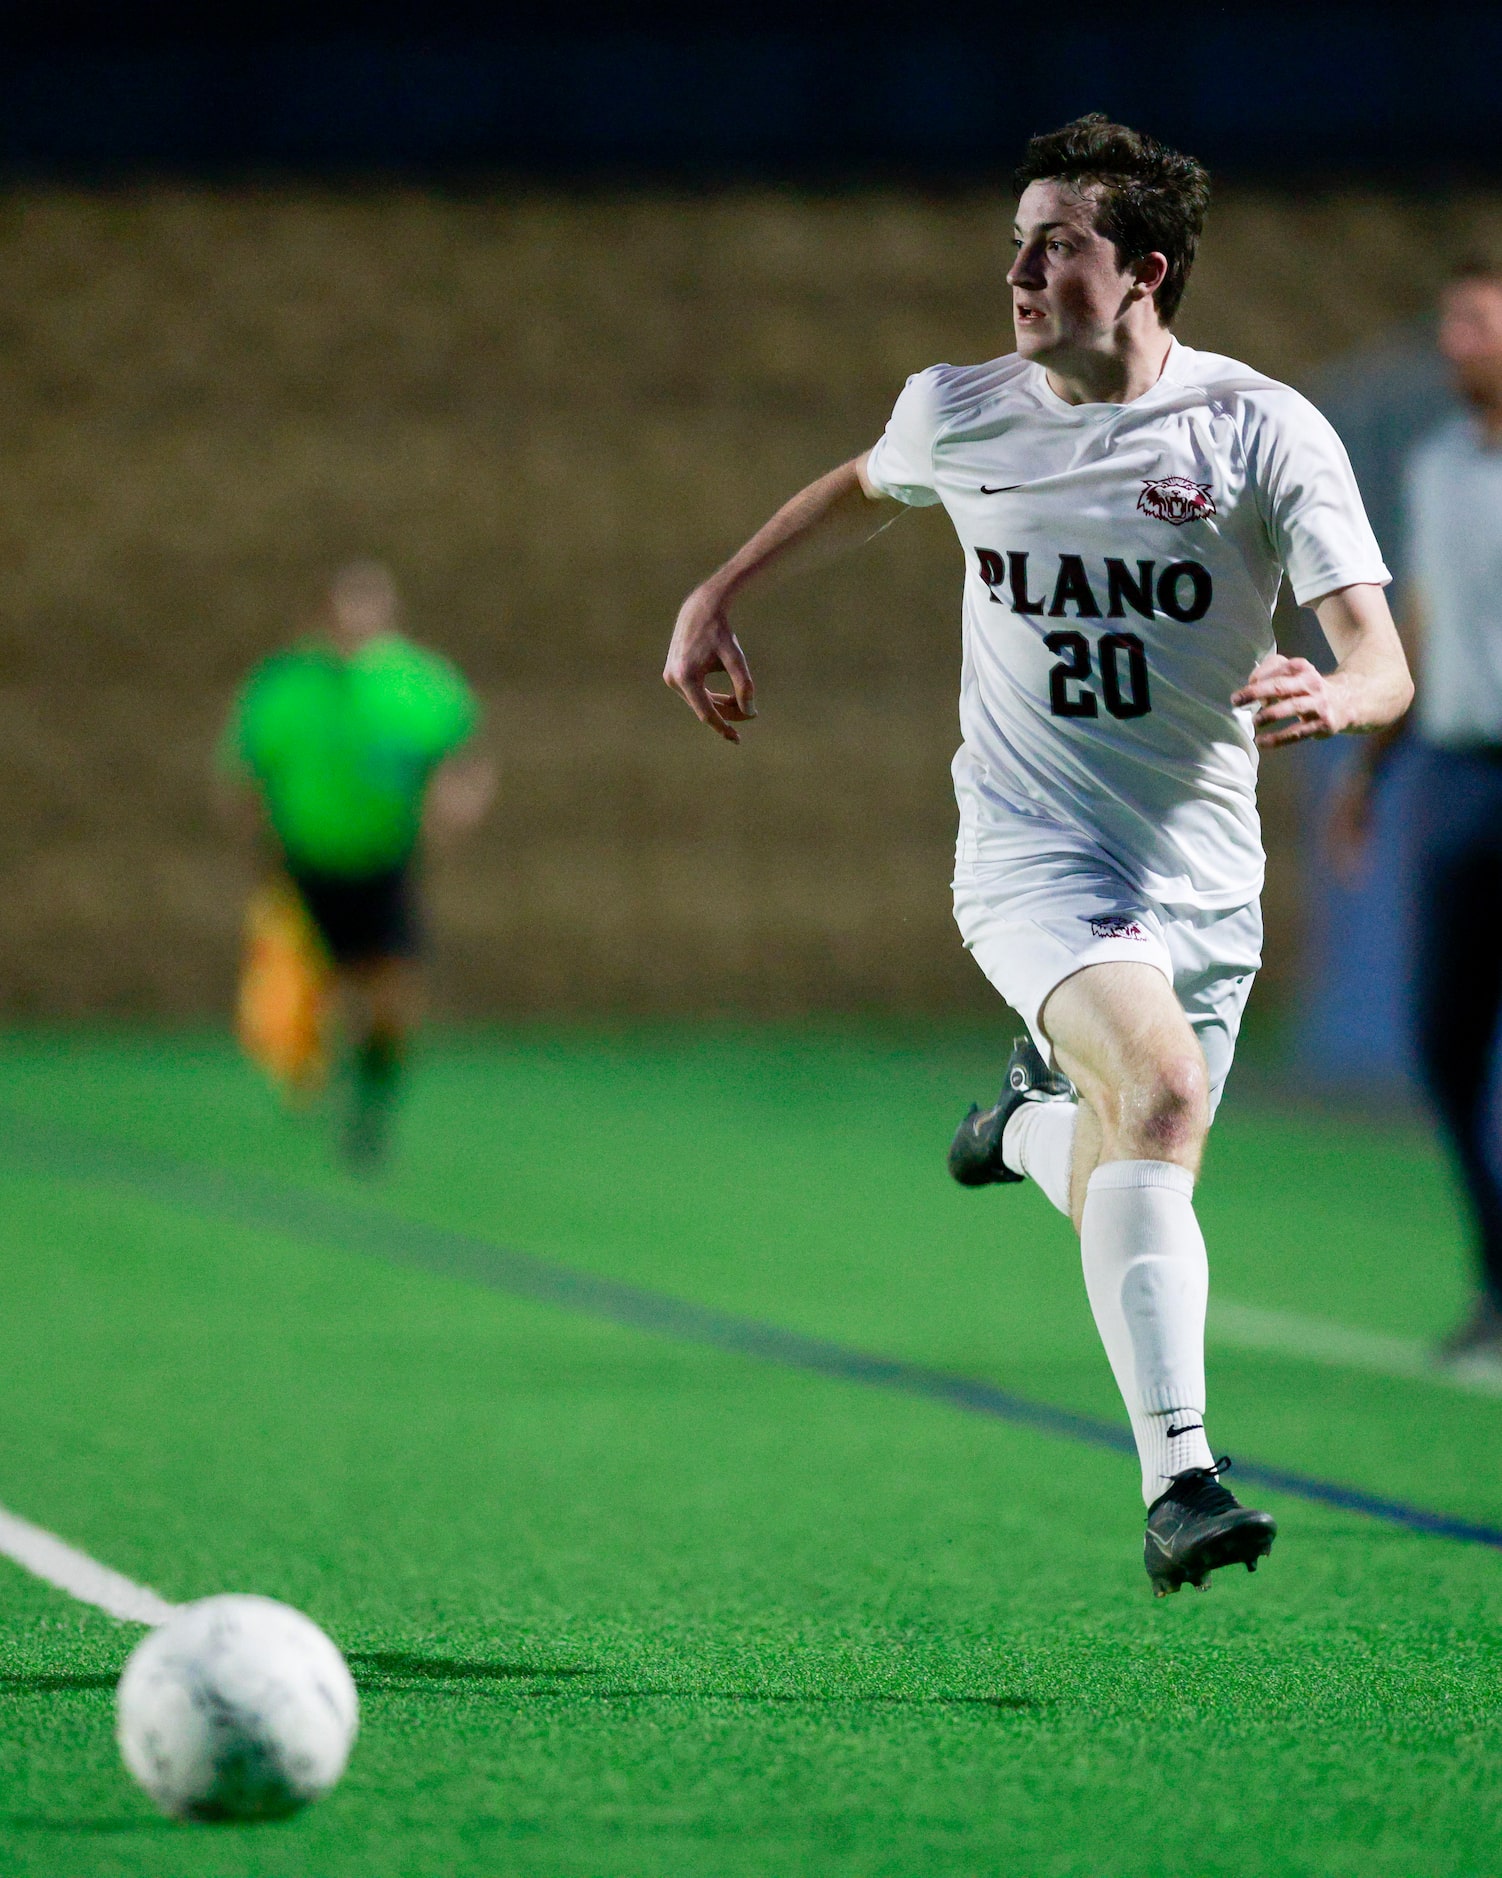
236 1708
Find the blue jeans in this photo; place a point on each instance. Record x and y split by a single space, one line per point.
1458 970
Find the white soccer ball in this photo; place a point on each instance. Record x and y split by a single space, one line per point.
236 1708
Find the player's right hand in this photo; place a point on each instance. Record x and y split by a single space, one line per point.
703 643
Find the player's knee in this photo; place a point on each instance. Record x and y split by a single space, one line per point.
1173 1107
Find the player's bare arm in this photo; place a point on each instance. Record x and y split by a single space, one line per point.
833 513
1351 806
460 793
1369 689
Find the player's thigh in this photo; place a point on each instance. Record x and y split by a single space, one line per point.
1216 958
388 991
1121 1036
1048 917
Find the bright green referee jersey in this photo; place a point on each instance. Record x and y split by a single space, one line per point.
342 748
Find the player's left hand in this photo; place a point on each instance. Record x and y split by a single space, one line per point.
1294 700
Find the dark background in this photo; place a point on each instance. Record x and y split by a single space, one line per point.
943 92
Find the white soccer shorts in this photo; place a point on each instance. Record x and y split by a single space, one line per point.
1040 919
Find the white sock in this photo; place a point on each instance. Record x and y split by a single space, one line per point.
1148 1280
1038 1141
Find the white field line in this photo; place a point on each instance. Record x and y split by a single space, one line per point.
46 1556
1317 1340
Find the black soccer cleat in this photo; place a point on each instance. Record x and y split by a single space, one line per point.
975 1153
1197 1526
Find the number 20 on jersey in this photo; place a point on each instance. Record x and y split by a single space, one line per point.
1181 591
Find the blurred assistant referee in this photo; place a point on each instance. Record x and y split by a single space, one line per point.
352 745
1452 620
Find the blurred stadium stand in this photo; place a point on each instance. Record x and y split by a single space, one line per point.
250 327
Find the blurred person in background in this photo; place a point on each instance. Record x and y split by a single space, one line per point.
1451 620
348 749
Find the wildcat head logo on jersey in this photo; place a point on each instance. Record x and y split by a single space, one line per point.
1115 926
1176 499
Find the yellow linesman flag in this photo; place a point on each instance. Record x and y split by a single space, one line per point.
285 983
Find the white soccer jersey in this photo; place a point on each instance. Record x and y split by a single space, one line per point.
1122 564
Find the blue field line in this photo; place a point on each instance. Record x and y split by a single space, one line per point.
327 1219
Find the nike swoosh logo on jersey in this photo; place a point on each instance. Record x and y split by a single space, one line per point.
1002 489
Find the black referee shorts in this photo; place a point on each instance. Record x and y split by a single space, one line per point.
364 917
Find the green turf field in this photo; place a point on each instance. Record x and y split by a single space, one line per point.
625 1606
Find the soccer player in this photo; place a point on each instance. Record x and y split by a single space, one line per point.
351 745
1128 509
1453 620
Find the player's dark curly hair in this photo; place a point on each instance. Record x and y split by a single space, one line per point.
1152 200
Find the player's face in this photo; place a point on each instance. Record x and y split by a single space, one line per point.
1470 337
362 605
1069 286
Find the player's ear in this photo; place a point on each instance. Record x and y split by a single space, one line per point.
1149 273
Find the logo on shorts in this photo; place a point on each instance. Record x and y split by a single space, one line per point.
1176 499
1116 926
